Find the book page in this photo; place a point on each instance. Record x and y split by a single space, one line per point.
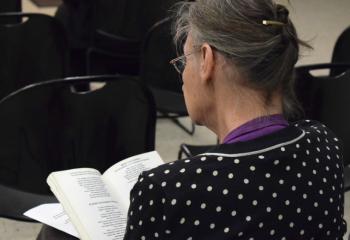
90 207
121 177
52 214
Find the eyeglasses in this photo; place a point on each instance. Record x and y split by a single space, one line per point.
179 63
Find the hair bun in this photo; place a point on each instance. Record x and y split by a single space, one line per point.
282 13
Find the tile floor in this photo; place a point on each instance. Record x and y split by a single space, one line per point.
318 21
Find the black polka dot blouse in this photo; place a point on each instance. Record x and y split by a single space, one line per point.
287 185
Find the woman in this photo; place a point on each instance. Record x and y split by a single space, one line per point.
268 179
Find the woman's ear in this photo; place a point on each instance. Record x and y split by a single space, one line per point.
207 62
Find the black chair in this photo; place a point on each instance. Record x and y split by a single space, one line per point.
10 6
119 28
324 99
48 126
32 50
164 81
341 51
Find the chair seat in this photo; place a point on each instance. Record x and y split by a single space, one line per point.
20 202
169 101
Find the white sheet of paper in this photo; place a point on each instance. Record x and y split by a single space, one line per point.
52 214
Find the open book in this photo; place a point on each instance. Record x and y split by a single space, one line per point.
96 203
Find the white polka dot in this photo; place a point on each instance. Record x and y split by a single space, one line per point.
226 230
187 160
140 222
178 184
209 188
143 238
193 186
268 209
283 149
326 212
215 173
261 188
151 202
240 234
276 162
196 222
274 195
182 220
233 213
320 225
246 181
225 191
131 227
150 186
299 175
163 184
140 193
294 156
203 158
280 217
218 209
287 202
240 196
220 158
255 202
298 210
272 232
294 188
261 225
153 219
309 218
236 161
182 170
287 168
291 225
248 218
151 174
164 217
188 202
304 164
309 183
252 168
167 231
305 196
156 234
297 146
261 156
173 202
212 225
230 176
163 200
199 170
167 171
302 232
203 206
281 181
140 207
267 175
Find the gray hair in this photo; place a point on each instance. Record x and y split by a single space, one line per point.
265 53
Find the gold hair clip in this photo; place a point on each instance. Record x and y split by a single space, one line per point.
271 22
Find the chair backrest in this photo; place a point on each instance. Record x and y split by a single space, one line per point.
33 50
10 6
158 50
47 127
324 99
341 51
130 18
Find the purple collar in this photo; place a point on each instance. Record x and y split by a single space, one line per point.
257 127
